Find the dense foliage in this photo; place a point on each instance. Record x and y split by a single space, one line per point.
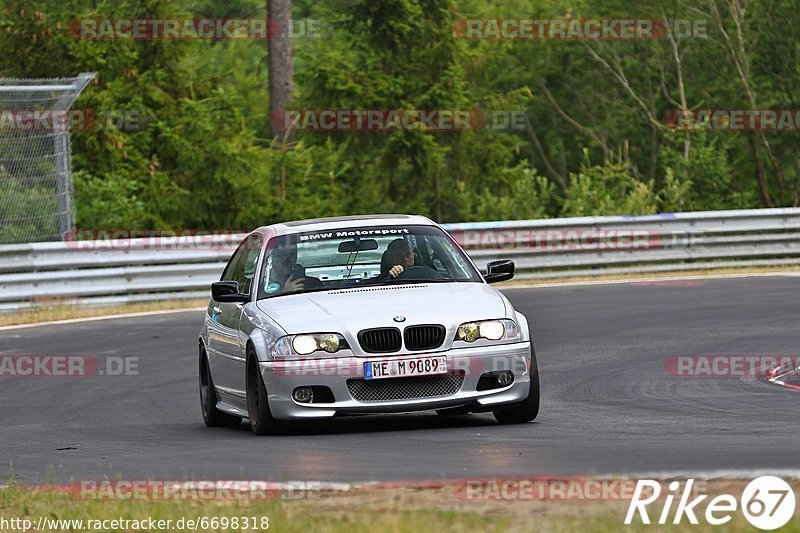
594 140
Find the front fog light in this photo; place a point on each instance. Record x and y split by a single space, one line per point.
304 344
493 330
303 395
504 378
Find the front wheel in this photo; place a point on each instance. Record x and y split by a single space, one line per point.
261 420
212 416
527 409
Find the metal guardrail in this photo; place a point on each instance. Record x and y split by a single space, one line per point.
129 270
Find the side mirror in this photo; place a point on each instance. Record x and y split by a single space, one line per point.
502 270
228 291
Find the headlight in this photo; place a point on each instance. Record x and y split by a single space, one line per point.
308 343
494 330
305 344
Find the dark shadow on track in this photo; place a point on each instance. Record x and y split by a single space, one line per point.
373 424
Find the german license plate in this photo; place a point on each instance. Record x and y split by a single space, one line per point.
396 368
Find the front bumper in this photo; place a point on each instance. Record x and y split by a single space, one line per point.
282 377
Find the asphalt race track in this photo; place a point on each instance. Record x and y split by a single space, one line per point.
609 406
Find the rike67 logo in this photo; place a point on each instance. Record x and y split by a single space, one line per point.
767 502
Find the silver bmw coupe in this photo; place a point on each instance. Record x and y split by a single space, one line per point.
356 315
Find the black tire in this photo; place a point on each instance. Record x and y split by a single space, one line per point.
212 416
527 409
261 420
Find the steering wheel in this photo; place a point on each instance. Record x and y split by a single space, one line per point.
419 272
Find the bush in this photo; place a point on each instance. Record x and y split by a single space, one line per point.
521 195
608 190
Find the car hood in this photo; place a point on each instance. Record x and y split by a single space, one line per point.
351 310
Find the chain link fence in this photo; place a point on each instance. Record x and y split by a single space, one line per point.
36 191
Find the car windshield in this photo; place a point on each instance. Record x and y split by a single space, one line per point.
363 256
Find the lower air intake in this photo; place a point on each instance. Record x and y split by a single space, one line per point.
382 390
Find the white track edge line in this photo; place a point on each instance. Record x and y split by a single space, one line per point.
102 317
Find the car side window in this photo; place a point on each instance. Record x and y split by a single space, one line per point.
242 265
249 263
229 274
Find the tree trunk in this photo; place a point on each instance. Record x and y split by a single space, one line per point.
437 187
279 48
760 178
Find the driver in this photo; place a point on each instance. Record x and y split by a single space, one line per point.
400 256
281 275
286 274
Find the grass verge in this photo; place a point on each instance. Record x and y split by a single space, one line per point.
637 276
376 509
47 312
